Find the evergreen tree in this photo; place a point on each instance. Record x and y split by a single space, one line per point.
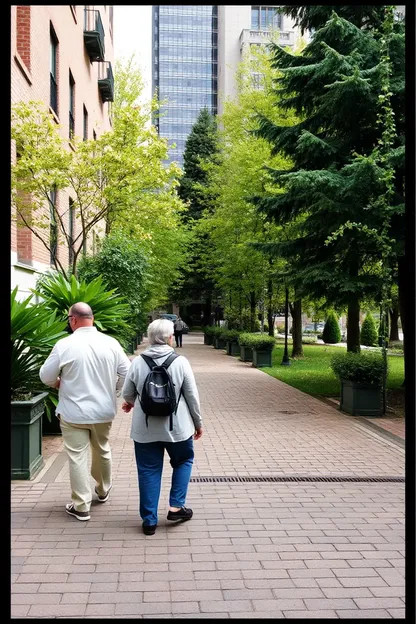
331 333
335 86
369 334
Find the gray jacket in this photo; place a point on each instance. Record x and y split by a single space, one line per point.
188 415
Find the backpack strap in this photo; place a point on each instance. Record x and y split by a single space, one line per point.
169 360
151 364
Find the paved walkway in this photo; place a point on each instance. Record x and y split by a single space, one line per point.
283 548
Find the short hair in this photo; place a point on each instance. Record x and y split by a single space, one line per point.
159 331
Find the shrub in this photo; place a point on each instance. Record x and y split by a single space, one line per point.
255 341
396 345
360 367
331 333
280 329
265 327
309 339
369 334
230 335
217 331
209 330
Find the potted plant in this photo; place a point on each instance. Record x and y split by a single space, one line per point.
231 341
219 342
361 376
246 352
209 334
262 347
34 331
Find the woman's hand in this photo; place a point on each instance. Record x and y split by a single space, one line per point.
126 406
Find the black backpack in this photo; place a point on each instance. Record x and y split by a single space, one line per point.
158 396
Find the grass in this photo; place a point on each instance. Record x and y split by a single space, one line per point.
313 374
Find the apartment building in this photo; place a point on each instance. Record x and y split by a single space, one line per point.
61 56
195 54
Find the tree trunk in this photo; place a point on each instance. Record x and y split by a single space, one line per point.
252 311
353 324
296 311
270 307
402 305
394 323
207 311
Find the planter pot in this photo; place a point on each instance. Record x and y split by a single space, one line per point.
246 354
360 399
208 340
52 427
26 437
233 348
262 358
139 339
219 343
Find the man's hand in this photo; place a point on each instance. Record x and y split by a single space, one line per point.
57 383
198 433
126 407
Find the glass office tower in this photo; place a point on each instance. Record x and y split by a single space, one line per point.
184 68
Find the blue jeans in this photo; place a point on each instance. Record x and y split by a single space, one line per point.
149 460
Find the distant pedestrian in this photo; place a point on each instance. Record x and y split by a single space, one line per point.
84 366
153 434
179 326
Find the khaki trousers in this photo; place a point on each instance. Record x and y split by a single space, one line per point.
77 440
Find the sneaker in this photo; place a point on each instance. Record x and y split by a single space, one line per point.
102 499
149 529
79 515
182 514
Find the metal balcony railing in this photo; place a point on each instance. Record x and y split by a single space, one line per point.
94 35
106 81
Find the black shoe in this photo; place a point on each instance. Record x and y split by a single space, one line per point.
182 514
104 497
149 529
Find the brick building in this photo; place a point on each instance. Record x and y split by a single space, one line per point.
63 57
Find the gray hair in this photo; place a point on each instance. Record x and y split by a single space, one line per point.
159 331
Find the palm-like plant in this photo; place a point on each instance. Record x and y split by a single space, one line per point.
34 331
109 307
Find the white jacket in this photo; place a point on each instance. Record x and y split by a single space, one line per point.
88 363
188 414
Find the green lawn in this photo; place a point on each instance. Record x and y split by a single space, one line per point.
313 374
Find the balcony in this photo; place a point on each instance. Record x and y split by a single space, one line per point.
262 37
94 35
106 81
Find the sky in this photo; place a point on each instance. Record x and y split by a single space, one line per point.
133 35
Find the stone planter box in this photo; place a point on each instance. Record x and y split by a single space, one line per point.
246 354
233 348
262 358
219 343
26 437
208 340
361 399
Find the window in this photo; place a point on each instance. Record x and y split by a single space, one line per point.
71 106
53 228
53 71
85 126
71 230
264 18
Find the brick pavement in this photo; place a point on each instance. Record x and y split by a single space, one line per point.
253 549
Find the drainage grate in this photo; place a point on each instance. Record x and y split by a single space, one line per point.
283 478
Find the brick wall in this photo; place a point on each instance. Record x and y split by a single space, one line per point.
30 80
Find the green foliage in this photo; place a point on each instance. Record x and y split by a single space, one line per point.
217 331
359 367
331 333
230 335
109 308
369 334
123 265
261 342
33 332
209 330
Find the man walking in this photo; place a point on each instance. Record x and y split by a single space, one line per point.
178 331
84 366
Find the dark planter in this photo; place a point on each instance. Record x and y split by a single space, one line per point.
26 437
246 354
262 358
52 427
208 339
219 343
233 348
361 399
132 346
139 339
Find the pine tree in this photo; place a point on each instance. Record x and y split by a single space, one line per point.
335 86
369 334
331 333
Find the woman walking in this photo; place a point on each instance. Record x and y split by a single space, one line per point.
153 434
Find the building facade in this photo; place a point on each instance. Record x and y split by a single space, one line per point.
61 56
195 54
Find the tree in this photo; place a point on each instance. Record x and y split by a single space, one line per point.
335 87
369 334
117 180
331 333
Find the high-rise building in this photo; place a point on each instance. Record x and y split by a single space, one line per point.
196 51
61 56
